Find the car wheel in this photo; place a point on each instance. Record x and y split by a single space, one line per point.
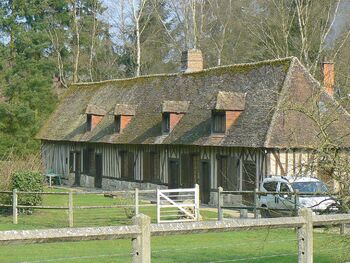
265 212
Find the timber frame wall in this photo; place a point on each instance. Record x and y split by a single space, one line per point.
265 162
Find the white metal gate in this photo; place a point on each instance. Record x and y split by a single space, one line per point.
178 205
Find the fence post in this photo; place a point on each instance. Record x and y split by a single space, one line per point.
70 209
220 203
255 203
158 206
136 201
342 229
305 237
142 244
196 201
14 206
296 201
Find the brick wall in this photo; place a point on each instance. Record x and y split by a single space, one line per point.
95 120
231 117
124 121
174 119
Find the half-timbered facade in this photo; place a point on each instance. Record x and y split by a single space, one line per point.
222 126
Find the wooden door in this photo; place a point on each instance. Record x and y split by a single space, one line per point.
77 171
174 174
204 184
98 175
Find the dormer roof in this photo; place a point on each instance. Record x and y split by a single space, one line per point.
125 109
233 101
95 110
173 106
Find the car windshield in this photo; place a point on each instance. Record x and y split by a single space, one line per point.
310 187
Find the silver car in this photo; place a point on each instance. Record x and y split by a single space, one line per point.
281 198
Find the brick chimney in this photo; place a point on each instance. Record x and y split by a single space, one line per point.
328 77
191 61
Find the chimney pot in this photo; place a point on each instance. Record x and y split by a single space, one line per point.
328 77
191 61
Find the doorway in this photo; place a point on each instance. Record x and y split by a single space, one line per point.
205 182
77 171
174 174
98 175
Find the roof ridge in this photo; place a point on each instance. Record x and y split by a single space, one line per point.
258 63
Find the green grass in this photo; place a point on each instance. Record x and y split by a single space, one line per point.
248 246
82 217
273 246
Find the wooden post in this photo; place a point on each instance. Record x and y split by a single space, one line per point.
136 201
255 203
296 201
158 206
142 244
342 229
220 203
196 202
14 206
305 237
70 209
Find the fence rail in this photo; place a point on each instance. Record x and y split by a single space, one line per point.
142 230
71 207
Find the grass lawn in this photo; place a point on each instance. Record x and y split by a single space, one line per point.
248 246
273 246
82 217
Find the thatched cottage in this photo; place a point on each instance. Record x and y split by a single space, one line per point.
227 126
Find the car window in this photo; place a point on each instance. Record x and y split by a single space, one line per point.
284 188
310 187
270 186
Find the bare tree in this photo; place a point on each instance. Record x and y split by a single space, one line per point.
298 27
76 17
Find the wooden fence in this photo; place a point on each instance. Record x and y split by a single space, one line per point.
141 232
71 207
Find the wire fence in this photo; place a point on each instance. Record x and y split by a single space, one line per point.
76 208
258 241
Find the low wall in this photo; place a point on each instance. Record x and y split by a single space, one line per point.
112 184
229 199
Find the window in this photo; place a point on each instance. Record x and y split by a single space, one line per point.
284 188
117 123
89 122
270 186
166 122
151 167
218 121
127 165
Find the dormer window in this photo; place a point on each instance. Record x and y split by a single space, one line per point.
123 113
172 112
94 116
218 121
228 107
166 122
117 120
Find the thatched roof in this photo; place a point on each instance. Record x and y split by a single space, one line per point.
175 106
264 85
125 109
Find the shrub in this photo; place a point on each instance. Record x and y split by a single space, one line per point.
28 182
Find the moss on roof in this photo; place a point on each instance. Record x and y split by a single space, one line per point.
262 82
